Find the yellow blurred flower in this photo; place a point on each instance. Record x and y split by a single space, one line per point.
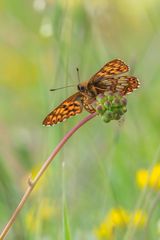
17 70
34 218
41 184
46 210
70 3
139 218
149 178
119 219
105 231
154 179
142 178
30 220
42 181
116 218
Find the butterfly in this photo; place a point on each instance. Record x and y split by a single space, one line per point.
110 78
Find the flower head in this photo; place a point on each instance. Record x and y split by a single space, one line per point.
111 106
139 218
119 219
44 213
115 219
149 178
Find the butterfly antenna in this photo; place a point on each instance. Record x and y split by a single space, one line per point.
78 75
54 89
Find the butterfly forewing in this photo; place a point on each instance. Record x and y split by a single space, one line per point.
111 68
70 107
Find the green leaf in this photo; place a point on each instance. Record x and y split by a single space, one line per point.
66 225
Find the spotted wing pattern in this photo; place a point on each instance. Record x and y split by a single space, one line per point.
113 67
70 107
122 84
88 107
87 103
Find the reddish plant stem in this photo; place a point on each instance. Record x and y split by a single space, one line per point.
32 183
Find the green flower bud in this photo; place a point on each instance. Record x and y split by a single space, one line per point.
100 109
124 101
106 119
110 106
110 98
120 111
109 114
117 116
100 97
107 104
124 109
116 102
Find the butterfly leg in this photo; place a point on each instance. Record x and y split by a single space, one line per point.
87 103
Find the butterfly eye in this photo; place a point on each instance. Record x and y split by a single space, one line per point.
81 88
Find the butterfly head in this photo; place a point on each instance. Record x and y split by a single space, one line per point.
82 87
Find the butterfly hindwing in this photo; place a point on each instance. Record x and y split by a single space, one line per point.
120 84
126 84
89 108
70 107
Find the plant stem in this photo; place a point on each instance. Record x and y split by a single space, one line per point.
32 183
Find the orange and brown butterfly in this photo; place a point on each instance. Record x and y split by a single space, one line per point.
111 77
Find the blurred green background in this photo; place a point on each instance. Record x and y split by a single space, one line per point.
41 44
